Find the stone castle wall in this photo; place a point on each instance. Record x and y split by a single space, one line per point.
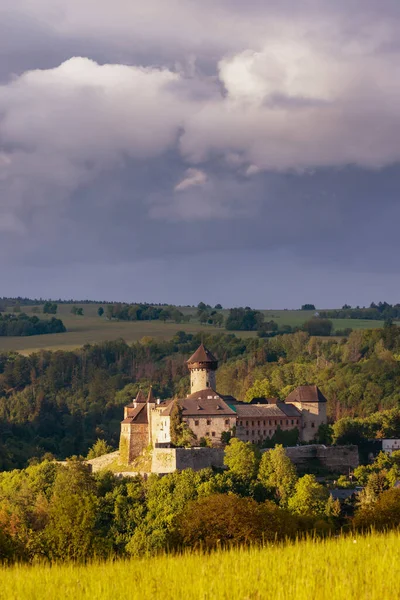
168 460
337 459
133 440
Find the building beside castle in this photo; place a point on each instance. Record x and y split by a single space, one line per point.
210 415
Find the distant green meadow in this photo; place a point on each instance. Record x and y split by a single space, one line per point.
350 568
90 328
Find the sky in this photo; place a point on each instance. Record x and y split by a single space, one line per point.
242 153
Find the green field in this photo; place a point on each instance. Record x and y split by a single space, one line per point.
91 328
352 568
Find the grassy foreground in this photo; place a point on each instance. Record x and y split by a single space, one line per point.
350 568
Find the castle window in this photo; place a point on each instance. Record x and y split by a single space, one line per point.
287 422
213 433
252 433
270 431
313 424
208 421
227 422
247 422
263 422
247 432
264 432
269 423
292 421
207 434
196 423
207 384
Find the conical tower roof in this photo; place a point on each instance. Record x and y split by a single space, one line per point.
150 397
202 355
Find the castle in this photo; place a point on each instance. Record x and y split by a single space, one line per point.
211 416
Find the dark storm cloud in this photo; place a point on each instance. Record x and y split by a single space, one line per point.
139 138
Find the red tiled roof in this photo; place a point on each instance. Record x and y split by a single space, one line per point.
202 355
306 393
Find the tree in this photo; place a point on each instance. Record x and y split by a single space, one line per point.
218 307
50 308
220 520
181 434
383 514
310 497
308 307
242 459
71 532
261 388
278 473
318 326
100 311
75 310
109 312
348 431
99 448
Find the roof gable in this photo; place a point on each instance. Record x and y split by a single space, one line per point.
205 402
306 393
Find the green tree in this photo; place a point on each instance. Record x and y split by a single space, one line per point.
100 311
278 474
261 388
318 326
99 448
72 531
181 434
242 459
309 498
221 520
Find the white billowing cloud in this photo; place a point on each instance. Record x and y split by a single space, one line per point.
301 105
91 112
295 102
192 178
61 127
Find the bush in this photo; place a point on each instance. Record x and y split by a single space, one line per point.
221 520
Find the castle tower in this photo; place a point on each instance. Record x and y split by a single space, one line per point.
202 366
312 403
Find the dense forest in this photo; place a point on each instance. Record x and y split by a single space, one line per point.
22 325
61 402
60 513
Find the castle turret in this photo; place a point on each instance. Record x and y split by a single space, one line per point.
202 365
312 403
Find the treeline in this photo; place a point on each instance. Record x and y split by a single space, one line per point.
61 402
60 513
144 312
248 319
22 325
381 312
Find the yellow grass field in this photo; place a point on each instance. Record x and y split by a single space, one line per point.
359 568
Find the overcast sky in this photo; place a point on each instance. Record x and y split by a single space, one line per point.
246 153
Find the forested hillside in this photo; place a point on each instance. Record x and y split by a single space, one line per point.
61 402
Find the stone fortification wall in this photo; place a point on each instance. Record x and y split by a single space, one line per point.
102 462
167 460
337 459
